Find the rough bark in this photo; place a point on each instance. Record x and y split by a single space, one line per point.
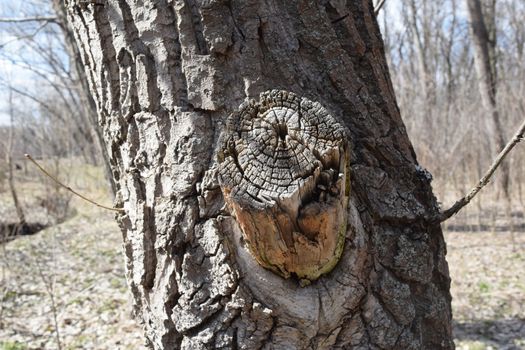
165 75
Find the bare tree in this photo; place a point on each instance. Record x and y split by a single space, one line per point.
445 127
165 76
87 102
484 58
10 169
67 102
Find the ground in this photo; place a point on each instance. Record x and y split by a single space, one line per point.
70 277
488 287
74 270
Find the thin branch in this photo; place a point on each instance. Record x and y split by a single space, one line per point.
31 97
486 178
29 19
27 36
45 172
378 7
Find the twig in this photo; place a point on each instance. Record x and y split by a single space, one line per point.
27 36
29 96
29 19
486 178
69 188
378 7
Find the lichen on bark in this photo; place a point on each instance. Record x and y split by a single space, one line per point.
283 172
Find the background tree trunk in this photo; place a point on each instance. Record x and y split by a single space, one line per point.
483 32
11 168
164 76
87 102
484 39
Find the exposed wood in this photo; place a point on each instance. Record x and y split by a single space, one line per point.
284 174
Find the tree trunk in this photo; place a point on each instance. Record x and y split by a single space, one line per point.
10 168
165 75
485 62
483 32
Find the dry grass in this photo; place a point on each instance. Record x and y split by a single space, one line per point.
488 286
82 261
78 263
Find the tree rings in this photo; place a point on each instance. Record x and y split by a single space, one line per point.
284 175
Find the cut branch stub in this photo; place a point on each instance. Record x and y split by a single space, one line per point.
284 175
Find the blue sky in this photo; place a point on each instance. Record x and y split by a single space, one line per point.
12 48
6 68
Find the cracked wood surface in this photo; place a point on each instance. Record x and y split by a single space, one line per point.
165 75
284 176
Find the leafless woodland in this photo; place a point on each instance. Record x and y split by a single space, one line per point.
431 58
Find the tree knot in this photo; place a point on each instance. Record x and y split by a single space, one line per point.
284 175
